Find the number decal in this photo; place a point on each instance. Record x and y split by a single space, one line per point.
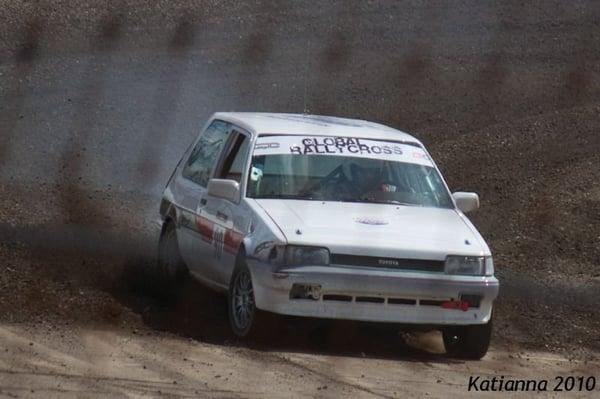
218 240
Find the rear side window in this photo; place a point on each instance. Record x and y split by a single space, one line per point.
204 155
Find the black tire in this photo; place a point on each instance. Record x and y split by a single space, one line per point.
468 342
244 317
171 270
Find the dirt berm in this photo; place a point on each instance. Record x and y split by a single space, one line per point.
98 100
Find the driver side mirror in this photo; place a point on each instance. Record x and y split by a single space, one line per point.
224 188
466 202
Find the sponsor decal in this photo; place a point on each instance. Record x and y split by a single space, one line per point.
264 146
233 240
205 228
420 155
371 221
256 174
341 146
388 262
348 145
219 237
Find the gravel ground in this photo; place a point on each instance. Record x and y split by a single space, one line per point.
99 99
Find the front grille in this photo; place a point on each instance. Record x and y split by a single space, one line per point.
339 298
402 301
423 265
430 302
386 301
370 299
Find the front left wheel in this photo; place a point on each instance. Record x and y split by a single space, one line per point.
241 306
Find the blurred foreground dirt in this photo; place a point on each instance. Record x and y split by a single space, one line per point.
99 99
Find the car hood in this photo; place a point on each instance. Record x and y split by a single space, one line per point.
376 229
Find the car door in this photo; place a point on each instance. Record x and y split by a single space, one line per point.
229 220
190 189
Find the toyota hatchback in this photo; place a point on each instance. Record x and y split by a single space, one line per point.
326 217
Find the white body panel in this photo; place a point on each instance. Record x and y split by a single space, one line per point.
404 232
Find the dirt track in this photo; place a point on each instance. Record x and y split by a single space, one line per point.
110 362
98 101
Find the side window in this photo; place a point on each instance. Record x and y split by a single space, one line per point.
234 162
204 155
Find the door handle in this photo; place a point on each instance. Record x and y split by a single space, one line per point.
222 216
203 201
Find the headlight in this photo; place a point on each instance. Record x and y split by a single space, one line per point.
469 265
306 256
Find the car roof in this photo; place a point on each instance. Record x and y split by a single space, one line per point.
312 125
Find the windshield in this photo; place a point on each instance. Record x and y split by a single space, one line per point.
349 170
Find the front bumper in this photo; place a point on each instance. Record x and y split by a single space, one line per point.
373 294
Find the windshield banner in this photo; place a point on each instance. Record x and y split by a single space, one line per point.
341 146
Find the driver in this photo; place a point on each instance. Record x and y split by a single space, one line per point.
369 176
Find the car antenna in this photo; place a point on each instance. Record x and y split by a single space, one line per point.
306 68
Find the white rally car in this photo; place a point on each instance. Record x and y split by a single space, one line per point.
327 217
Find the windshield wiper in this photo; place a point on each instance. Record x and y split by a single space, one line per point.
287 196
391 202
